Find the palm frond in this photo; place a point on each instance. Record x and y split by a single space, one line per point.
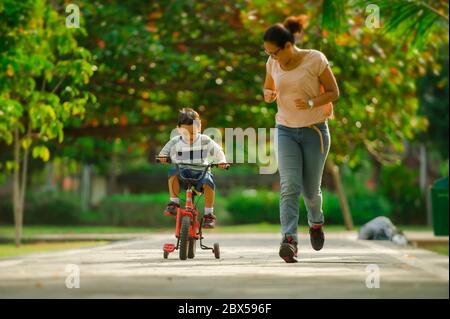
334 15
409 20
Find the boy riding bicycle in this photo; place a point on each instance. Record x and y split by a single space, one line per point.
192 147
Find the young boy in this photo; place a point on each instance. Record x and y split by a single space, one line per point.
192 147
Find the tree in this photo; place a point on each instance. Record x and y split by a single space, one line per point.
43 72
154 59
414 23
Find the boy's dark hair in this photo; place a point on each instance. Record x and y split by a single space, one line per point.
187 116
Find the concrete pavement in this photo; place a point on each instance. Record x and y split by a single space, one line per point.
249 268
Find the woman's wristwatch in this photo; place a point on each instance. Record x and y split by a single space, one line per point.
311 104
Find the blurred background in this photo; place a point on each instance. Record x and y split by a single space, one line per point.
84 111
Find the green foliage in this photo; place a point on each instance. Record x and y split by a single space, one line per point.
433 93
145 210
53 208
43 74
334 15
45 208
212 59
367 205
6 210
134 210
251 206
400 185
411 21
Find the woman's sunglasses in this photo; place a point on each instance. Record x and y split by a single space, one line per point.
272 54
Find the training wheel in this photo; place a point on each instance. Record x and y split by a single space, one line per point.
216 250
169 248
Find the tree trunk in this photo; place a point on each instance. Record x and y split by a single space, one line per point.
424 181
50 183
18 209
376 173
423 168
85 186
19 185
334 170
112 186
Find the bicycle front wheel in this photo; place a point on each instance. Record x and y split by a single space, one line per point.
184 237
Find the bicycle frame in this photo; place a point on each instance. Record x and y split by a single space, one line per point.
192 212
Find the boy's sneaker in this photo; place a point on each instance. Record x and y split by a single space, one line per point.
171 209
209 221
316 236
288 249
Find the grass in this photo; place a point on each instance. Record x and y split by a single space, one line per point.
266 228
8 231
439 248
415 228
10 250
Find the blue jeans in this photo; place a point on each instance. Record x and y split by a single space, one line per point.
189 173
301 159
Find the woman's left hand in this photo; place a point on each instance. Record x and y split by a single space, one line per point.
301 104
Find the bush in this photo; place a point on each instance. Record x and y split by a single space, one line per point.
366 206
134 210
55 208
364 203
331 208
251 206
143 210
400 185
45 208
6 210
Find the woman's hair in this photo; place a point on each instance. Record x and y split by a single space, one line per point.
187 116
280 34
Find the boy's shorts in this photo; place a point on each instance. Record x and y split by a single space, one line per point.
189 173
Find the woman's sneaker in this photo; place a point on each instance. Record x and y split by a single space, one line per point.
288 249
209 221
171 209
316 236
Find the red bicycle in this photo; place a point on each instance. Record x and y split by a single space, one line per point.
188 229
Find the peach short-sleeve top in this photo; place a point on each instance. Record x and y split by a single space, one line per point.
300 82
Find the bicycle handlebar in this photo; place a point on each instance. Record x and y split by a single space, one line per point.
191 180
169 161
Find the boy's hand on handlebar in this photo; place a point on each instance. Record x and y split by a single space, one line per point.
223 165
162 159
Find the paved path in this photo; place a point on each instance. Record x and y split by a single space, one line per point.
249 268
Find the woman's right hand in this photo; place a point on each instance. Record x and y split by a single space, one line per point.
270 95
